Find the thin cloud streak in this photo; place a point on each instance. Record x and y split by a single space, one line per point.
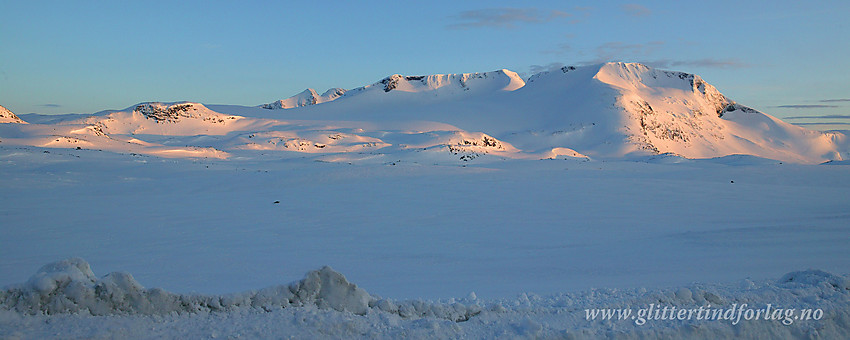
835 100
642 53
707 62
617 50
544 68
820 117
804 106
713 63
824 123
504 17
636 10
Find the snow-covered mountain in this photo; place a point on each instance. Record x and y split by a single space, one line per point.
634 107
501 80
305 98
165 119
611 110
7 116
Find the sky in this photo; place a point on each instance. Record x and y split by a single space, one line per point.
785 58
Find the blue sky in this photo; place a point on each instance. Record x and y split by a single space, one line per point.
787 58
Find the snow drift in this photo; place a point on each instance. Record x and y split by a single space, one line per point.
70 286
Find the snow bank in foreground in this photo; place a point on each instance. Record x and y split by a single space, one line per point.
70 286
65 299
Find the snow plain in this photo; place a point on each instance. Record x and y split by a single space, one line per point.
407 231
519 238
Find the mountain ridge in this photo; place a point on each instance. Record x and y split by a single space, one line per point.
605 111
305 98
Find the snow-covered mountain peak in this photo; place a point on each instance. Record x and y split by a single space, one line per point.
645 109
334 92
305 98
7 116
636 75
309 92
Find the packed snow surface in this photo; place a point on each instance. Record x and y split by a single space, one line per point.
475 205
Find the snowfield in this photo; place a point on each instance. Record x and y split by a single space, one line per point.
475 205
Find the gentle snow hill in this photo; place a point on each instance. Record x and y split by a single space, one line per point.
7 116
118 130
168 119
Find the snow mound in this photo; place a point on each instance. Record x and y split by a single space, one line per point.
70 286
305 98
329 289
7 116
161 112
165 119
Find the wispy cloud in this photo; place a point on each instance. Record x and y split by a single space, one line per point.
52 106
636 10
564 48
821 117
504 17
638 52
707 62
834 100
806 106
543 68
823 123
618 50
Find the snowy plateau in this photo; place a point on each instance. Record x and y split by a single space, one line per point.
476 205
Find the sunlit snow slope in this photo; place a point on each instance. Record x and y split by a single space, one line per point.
7 116
605 111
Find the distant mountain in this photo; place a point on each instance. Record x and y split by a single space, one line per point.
7 116
305 98
604 111
637 108
171 119
609 110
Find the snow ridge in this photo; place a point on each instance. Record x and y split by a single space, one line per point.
501 80
305 98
